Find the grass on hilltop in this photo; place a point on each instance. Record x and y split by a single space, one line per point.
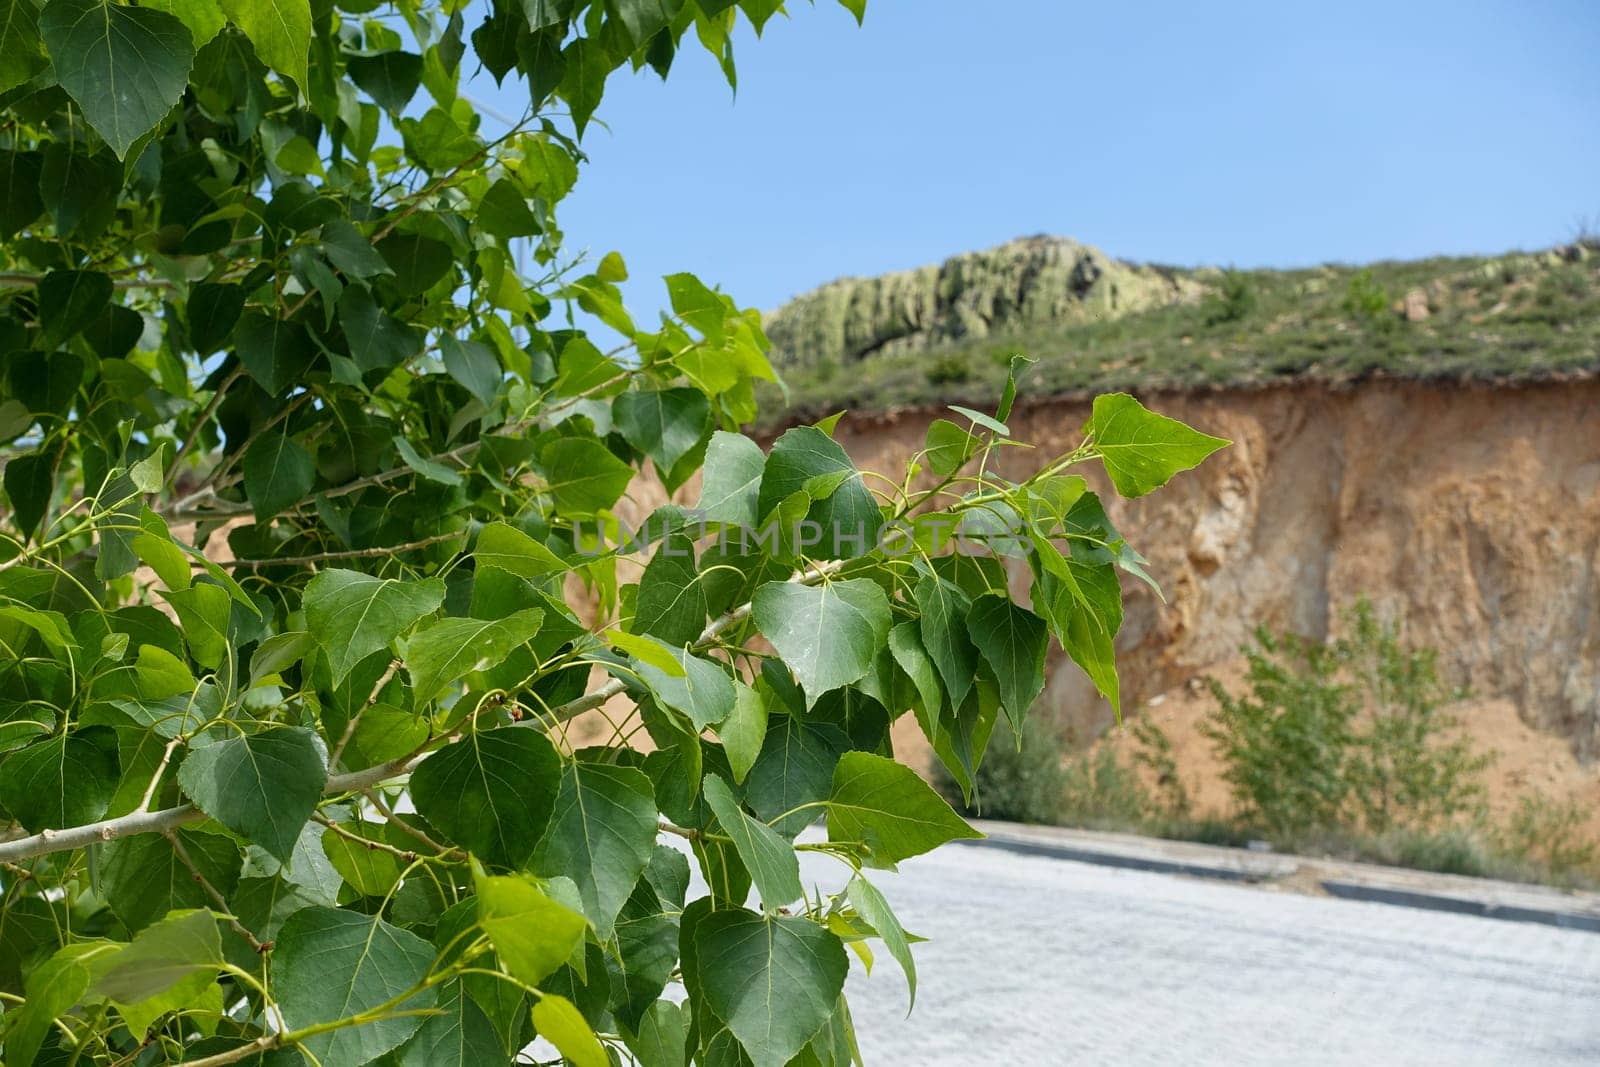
1517 317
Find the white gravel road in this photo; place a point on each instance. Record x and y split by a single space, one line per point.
1045 961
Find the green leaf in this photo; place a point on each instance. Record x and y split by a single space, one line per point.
280 30
771 861
278 472
492 792
20 200
352 615
848 515
664 424
583 475
1008 395
586 66
794 772
68 300
52 989
905 646
560 1022
390 78
731 484
65 781
508 548
371 872
213 312
701 689
430 469
276 352
583 369
29 483
662 1036
474 366
1141 450
874 909
828 634
330 964
601 835
942 620
532 934
503 212
418 262
378 341
459 1034
1084 606
672 593
983 420
744 730
948 447
643 18
125 66
203 17
21 58
773 980
441 652
181 946
349 249
890 809
262 786
143 878
1013 640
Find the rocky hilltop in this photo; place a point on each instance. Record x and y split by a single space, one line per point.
1021 286
945 333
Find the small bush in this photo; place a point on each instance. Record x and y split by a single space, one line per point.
1102 793
1344 735
952 368
1551 835
1286 741
1155 753
1018 784
1367 299
1235 299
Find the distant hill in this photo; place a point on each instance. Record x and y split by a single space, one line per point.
945 333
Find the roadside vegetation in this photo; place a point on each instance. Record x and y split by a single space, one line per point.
1341 748
1514 317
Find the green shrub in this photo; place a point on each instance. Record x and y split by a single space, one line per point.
1017 783
1367 299
1285 743
1155 752
1234 299
1344 735
951 368
1551 835
1100 792
1409 766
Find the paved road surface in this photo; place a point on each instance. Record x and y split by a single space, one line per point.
1043 961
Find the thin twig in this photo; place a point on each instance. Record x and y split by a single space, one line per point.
405 827
211 891
349 553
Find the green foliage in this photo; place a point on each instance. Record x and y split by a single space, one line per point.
1344 734
300 473
1019 782
1552 835
1366 298
1233 301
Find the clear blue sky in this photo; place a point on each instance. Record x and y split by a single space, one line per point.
1256 134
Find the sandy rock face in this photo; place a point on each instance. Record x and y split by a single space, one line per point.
1470 514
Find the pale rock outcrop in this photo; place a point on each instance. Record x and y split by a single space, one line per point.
1000 292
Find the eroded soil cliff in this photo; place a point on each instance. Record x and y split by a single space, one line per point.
1472 515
